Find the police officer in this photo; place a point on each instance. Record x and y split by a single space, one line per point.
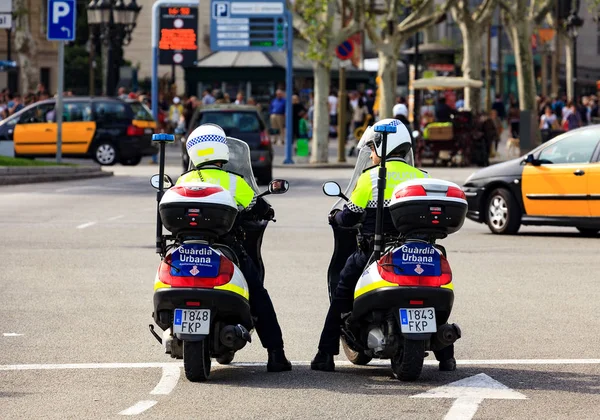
363 205
208 150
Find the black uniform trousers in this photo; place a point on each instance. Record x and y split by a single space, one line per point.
261 306
343 298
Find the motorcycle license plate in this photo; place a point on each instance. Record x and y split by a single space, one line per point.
192 321
417 320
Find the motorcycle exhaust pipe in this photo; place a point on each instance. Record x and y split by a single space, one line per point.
235 336
446 335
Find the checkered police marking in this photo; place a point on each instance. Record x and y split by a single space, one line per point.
206 137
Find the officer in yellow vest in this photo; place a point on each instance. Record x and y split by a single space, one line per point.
363 205
208 150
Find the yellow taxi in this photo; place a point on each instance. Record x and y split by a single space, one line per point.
107 130
556 184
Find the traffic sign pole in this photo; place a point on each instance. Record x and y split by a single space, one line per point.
60 26
59 100
289 80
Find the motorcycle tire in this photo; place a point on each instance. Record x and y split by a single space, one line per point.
355 357
407 364
196 360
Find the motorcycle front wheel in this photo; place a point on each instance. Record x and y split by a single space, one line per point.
196 360
407 363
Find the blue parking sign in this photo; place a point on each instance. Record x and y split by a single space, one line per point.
220 9
62 17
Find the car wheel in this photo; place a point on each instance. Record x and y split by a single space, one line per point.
131 161
105 154
590 232
503 215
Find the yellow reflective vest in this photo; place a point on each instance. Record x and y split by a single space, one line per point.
365 193
238 187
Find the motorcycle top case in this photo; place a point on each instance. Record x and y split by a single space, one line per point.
429 206
198 207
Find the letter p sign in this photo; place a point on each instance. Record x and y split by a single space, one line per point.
60 9
220 9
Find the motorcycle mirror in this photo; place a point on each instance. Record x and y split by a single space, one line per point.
279 186
167 182
332 189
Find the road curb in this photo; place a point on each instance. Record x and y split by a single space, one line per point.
14 175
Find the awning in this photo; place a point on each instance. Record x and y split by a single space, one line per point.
446 82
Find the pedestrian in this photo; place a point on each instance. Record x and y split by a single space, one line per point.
277 117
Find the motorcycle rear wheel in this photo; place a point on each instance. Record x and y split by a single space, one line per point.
407 364
196 360
354 357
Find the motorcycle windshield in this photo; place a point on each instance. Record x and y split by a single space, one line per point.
363 162
239 161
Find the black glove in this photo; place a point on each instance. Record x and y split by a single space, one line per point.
270 214
331 217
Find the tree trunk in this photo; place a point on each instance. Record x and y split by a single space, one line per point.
471 64
26 48
388 72
320 141
520 35
569 66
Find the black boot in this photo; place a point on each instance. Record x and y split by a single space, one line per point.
448 365
323 361
278 362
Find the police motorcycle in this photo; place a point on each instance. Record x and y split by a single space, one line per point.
404 297
201 299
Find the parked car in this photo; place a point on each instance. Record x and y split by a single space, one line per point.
558 184
107 130
242 122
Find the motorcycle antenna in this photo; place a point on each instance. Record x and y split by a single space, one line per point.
384 129
162 139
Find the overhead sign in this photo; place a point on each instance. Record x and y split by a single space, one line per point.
245 25
345 50
178 36
5 20
61 20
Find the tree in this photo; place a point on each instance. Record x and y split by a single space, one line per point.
389 41
520 17
315 21
472 26
26 47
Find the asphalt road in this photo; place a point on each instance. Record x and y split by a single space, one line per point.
77 273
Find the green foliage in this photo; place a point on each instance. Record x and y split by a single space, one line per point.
319 26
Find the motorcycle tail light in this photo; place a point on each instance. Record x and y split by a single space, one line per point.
226 270
386 271
456 193
412 191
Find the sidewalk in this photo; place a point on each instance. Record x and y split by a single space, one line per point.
13 175
302 163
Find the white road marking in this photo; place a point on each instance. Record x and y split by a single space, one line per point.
374 363
168 381
86 225
116 218
138 408
469 393
12 334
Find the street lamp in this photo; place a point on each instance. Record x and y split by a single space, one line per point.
113 22
572 24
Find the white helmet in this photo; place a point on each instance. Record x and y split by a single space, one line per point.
207 144
399 142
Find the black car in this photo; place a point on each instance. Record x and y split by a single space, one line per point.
242 122
107 130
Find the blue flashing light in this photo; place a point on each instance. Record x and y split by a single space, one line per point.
167 138
384 128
